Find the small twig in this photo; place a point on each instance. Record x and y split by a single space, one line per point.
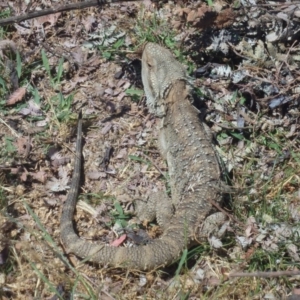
231 127
280 186
233 49
106 158
154 164
27 147
247 118
11 129
273 4
226 213
16 165
284 62
282 93
265 274
72 6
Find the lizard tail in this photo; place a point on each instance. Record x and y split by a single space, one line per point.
160 252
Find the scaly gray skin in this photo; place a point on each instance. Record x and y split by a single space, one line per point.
193 169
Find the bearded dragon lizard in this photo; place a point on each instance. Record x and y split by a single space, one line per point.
193 169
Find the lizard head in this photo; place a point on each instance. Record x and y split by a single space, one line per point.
159 71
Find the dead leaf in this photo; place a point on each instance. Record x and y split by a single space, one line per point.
33 109
122 153
4 44
50 202
293 251
60 161
23 177
40 176
213 281
23 145
106 128
94 175
296 291
15 170
4 255
119 241
61 184
16 96
215 242
52 19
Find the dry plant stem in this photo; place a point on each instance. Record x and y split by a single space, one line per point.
154 164
266 99
247 118
27 147
265 274
275 4
233 49
281 186
10 128
226 213
231 127
35 14
286 61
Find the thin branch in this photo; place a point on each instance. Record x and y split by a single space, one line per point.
15 133
265 274
154 164
274 4
226 213
35 14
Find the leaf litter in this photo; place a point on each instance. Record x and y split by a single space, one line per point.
247 61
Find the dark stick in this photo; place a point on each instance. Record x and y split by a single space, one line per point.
35 14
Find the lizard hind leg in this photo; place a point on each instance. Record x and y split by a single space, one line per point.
158 206
212 229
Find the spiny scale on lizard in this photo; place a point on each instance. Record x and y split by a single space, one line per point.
193 171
